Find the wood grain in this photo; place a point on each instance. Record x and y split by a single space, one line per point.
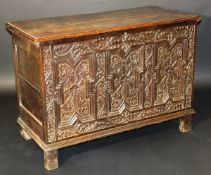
88 24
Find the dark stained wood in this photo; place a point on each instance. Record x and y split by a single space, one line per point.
84 77
87 24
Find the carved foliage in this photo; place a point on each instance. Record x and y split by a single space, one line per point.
108 81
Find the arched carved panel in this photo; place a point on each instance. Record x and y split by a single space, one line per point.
108 81
126 89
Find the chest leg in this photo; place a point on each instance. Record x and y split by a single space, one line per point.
185 123
51 159
24 134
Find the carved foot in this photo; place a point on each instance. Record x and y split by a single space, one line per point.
185 123
24 134
51 159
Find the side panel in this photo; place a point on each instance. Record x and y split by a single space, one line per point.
28 84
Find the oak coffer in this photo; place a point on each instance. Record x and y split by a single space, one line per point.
88 76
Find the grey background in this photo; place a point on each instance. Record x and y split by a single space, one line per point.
12 10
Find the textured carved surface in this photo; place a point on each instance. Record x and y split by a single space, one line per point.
108 81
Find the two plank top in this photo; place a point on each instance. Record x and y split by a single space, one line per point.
50 29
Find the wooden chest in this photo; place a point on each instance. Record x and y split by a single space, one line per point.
84 77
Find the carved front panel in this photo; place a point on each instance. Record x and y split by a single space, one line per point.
109 81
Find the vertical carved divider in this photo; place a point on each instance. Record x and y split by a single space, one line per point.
49 83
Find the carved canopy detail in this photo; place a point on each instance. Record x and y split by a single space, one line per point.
108 81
